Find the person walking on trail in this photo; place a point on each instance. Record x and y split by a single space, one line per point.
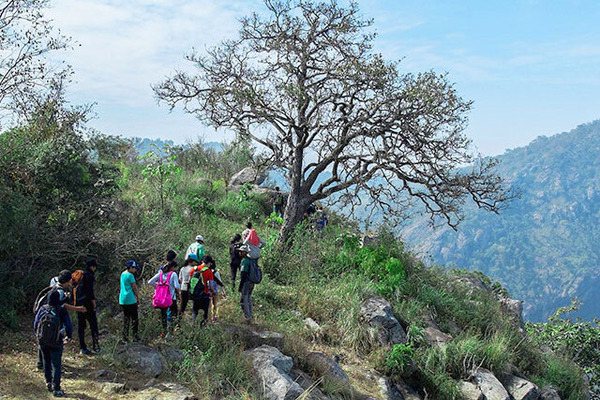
53 329
246 287
86 297
167 291
61 284
171 256
201 287
277 200
129 299
234 257
253 242
196 248
184 280
217 281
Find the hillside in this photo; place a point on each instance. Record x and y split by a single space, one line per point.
544 247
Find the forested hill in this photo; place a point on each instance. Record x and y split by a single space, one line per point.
544 247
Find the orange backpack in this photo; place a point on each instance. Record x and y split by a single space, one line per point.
77 276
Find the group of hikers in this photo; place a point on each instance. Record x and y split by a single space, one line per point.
198 281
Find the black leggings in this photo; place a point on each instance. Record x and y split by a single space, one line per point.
203 305
130 314
185 297
82 319
163 315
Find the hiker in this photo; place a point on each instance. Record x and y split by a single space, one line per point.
234 257
201 288
85 296
184 280
254 243
129 299
246 231
277 200
171 256
167 291
53 328
60 283
246 287
216 282
196 248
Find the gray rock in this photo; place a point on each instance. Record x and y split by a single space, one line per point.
472 283
311 391
549 393
171 354
252 338
142 359
113 387
433 334
489 385
470 391
513 309
388 390
165 391
247 175
311 324
519 388
273 368
326 367
379 315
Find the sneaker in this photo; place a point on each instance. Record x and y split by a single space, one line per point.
58 393
86 352
97 349
49 386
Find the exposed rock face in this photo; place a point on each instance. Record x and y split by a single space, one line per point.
247 175
433 333
489 385
519 388
473 283
273 368
378 313
390 390
470 391
142 359
252 338
513 309
171 355
549 393
326 367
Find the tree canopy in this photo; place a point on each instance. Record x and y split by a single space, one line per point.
344 124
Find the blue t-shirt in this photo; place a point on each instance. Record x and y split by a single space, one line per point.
127 296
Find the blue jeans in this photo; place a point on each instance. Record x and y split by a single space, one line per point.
51 357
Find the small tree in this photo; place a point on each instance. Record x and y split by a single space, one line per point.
344 124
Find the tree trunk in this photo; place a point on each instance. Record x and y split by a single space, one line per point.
297 203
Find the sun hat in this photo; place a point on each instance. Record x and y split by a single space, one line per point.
199 238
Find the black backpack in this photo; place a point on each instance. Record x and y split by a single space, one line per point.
254 272
47 330
197 286
42 298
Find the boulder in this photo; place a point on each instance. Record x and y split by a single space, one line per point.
549 393
273 369
519 388
247 175
165 391
251 338
311 391
312 325
379 315
171 354
513 309
388 390
327 368
470 391
489 385
145 360
433 334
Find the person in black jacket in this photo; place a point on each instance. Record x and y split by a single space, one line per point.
87 298
234 257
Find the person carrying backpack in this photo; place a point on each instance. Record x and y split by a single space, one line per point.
129 299
201 288
277 201
184 280
166 293
53 328
216 282
250 275
234 257
196 248
85 296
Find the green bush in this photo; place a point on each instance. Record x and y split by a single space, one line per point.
399 360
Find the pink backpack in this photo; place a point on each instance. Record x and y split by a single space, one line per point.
162 296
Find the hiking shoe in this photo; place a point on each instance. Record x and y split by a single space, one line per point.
97 349
49 386
86 352
58 393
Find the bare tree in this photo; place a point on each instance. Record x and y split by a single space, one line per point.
344 124
26 37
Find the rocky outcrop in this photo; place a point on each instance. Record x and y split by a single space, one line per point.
513 309
145 360
489 385
251 337
470 391
326 367
273 369
549 393
519 388
247 175
379 315
433 334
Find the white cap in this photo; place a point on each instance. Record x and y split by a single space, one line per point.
199 238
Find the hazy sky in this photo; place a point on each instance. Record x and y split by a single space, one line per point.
532 67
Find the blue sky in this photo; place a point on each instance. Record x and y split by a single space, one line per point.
531 67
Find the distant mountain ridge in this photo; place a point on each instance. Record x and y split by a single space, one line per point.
545 247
